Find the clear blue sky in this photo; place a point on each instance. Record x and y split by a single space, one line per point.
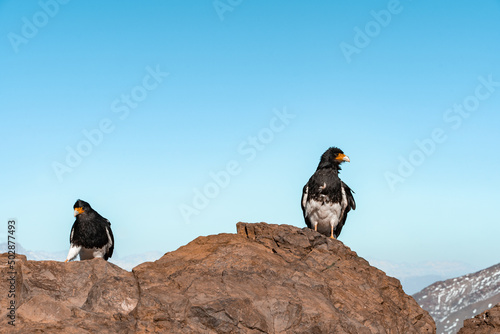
174 91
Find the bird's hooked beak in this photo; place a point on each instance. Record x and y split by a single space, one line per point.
342 157
78 211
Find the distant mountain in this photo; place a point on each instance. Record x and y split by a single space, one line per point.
416 276
126 262
452 301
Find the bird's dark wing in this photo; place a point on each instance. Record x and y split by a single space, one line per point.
72 233
351 204
110 250
305 195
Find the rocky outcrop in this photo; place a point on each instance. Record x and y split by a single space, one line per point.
264 279
487 322
77 297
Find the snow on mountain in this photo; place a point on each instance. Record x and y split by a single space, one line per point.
452 301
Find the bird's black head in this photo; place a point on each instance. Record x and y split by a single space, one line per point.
332 158
81 207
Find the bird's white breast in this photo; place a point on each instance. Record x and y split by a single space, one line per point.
324 213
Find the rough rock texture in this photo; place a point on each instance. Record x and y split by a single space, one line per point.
452 301
78 297
265 279
487 322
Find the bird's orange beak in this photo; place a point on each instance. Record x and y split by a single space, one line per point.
78 211
342 157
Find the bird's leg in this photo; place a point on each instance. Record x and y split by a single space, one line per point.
331 235
316 227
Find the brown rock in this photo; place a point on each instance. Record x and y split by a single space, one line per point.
10 285
265 279
75 297
487 322
272 279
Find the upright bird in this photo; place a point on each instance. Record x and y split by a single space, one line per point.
91 234
326 200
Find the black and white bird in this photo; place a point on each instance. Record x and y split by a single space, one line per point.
91 234
326 200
